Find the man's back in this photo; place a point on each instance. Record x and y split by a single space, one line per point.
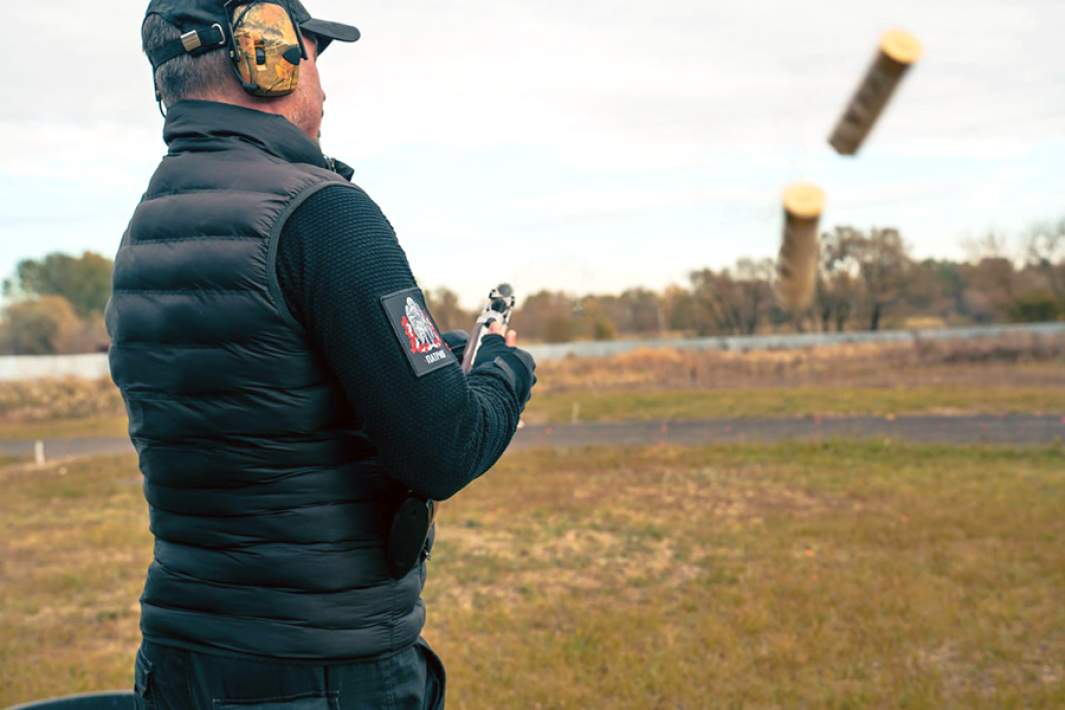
268 504
287 388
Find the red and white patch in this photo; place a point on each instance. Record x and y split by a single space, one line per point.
416 331
420 331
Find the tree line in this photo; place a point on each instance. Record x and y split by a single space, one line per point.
867 280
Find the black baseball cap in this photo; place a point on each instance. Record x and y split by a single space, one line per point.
189 15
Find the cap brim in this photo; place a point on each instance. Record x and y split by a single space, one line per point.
330 31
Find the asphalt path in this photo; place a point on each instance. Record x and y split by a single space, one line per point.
990 429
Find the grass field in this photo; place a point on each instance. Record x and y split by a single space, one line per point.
994 376
838 575
685 404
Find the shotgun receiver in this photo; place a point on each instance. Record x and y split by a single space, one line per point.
498 309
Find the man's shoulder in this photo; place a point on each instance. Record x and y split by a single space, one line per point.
345 196
335 206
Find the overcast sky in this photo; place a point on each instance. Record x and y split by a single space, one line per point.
583 145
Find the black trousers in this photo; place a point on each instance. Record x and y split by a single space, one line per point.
174 679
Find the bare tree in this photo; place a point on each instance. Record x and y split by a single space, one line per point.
642 311
712 300
990 245
991 288
734 301
837 287
444 304
1045 249
753 280
882 262
548 315
679 308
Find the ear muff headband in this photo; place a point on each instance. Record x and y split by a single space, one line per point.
266 47
194 43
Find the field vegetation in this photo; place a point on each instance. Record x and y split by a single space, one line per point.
1005 375
813 575
1012 360
987 376
60 408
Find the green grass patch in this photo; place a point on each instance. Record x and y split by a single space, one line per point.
688 404
809 575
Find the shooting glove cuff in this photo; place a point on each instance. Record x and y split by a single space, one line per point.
517 366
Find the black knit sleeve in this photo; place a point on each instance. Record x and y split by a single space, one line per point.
435 431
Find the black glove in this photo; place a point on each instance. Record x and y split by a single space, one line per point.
456 340
516 365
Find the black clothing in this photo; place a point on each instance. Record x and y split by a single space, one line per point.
268 498
516 364
268 506
167 678
434 444
210 16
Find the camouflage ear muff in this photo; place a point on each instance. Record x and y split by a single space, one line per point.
264 39
266 47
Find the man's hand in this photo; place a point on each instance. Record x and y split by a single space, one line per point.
511 336
518 365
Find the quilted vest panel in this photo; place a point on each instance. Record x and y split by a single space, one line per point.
267 504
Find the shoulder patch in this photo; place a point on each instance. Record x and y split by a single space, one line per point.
416 332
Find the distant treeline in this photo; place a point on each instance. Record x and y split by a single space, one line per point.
868 280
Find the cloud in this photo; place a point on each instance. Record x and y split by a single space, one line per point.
664 130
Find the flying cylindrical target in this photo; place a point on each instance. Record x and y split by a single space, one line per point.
898 51
800 249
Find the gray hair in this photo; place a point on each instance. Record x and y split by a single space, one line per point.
186 76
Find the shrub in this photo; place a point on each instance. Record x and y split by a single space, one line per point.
42 326
1036 307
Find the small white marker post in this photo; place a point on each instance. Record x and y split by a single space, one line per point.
38 453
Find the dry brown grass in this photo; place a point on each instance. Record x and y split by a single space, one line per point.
814 575
992 376
52 399
1023 360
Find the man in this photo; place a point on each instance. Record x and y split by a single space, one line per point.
280 403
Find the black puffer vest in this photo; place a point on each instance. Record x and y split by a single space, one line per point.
267 503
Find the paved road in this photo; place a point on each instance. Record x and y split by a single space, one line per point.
1020 429
1013 429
